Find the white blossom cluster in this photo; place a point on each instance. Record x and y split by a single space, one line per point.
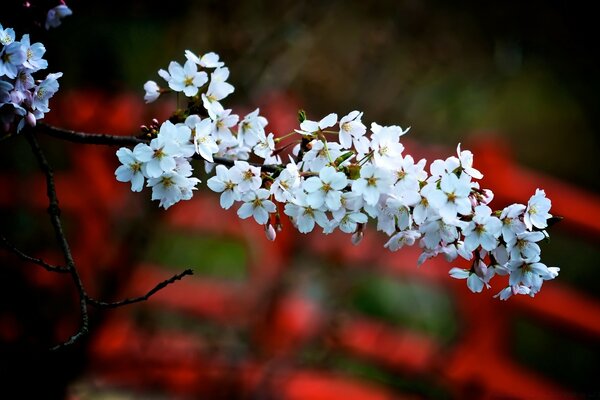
22 98
340 174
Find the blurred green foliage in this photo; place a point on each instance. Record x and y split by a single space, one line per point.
207 255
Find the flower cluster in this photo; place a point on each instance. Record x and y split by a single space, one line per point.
22 98
340 175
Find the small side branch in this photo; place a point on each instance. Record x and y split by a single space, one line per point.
158 287
54 212
48 267
89 138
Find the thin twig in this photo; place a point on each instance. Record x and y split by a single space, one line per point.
48 267
54 212
161 285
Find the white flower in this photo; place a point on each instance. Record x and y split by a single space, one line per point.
131 170
466 162
320 155
523 245
56 14
7 36
352 130
34 53
224 184
179 134
474 283
305 215
223 121
44 91
346 220
436 231
511 222
407 174
530 273
246 176
386 145
170 187
11 57
250 128
372 182
508 291
257 205
308 127
439 168
152 91
158 157
400 239
186 79
326 188
265 145
203 141
218 88
423 210
399 211
455 200
483 230
286 183
209 60
536 213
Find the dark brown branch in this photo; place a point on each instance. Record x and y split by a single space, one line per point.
54 212
89 138
110 140
48 267
160 286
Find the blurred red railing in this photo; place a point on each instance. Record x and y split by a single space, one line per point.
281 322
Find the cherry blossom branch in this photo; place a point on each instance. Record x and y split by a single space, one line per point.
48 267
70 266
116 140
158 287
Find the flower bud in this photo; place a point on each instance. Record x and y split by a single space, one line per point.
480 269
30 119
357 237
487 196
270 232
